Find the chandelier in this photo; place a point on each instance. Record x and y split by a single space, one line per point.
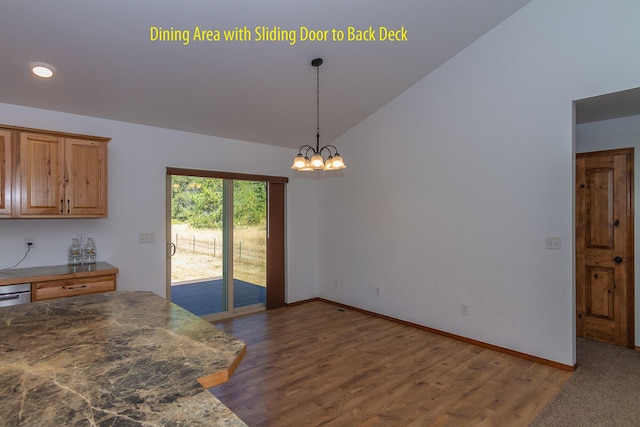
334 161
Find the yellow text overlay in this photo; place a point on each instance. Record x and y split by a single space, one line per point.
301 34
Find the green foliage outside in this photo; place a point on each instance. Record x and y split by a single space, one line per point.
249 203
198 202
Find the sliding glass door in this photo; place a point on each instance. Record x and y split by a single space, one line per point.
218 244
249 243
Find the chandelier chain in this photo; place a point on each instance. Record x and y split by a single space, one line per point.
318 99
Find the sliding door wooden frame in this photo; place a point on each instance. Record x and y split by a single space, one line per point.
226 175
275 245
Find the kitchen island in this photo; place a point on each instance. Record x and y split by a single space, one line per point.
117 359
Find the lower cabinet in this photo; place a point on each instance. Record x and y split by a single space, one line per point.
72 287
61 281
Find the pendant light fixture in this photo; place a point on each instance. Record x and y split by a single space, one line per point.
302 162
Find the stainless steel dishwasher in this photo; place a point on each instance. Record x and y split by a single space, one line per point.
15 294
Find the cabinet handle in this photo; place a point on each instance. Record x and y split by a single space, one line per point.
62 206
68 206
73 288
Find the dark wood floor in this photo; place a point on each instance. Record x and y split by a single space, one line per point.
318 364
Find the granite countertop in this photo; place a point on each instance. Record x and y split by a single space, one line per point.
112 359
54 272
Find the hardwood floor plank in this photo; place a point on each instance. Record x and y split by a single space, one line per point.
317 364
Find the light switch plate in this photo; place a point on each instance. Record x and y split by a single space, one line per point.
147 237
553 242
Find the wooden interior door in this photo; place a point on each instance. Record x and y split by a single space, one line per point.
604 246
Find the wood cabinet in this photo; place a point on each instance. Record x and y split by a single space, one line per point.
60 281
54 174
62 176
86 182
41 174
6 171
72 287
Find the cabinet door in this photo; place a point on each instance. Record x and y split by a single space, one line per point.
5 172
86 172
41 174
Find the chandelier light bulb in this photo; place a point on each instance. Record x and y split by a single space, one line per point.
337 162
317 162
298 162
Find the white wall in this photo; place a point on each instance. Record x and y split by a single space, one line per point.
138 157
452 187
609 135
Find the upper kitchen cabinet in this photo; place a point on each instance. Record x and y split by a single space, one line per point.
41 177
61 176
5 172
48 174
86 184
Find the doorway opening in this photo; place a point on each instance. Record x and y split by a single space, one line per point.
609 124
218 253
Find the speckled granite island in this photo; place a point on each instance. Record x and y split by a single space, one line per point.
112 359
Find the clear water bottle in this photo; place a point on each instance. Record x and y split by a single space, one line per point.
89 252
74 253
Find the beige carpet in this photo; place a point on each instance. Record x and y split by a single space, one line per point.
604 390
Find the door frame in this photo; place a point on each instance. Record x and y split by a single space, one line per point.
630 290
276 230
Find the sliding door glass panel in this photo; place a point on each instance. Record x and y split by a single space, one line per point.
198 266
249 243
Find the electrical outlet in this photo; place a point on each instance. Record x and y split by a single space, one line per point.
82 239
464 309
335 282
29 242
378 290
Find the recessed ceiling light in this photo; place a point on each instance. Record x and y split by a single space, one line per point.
42 70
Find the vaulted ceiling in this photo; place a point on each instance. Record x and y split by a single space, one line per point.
108 66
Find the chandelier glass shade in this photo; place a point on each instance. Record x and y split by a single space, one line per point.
311 158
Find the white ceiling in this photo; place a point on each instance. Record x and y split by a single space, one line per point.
257 91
